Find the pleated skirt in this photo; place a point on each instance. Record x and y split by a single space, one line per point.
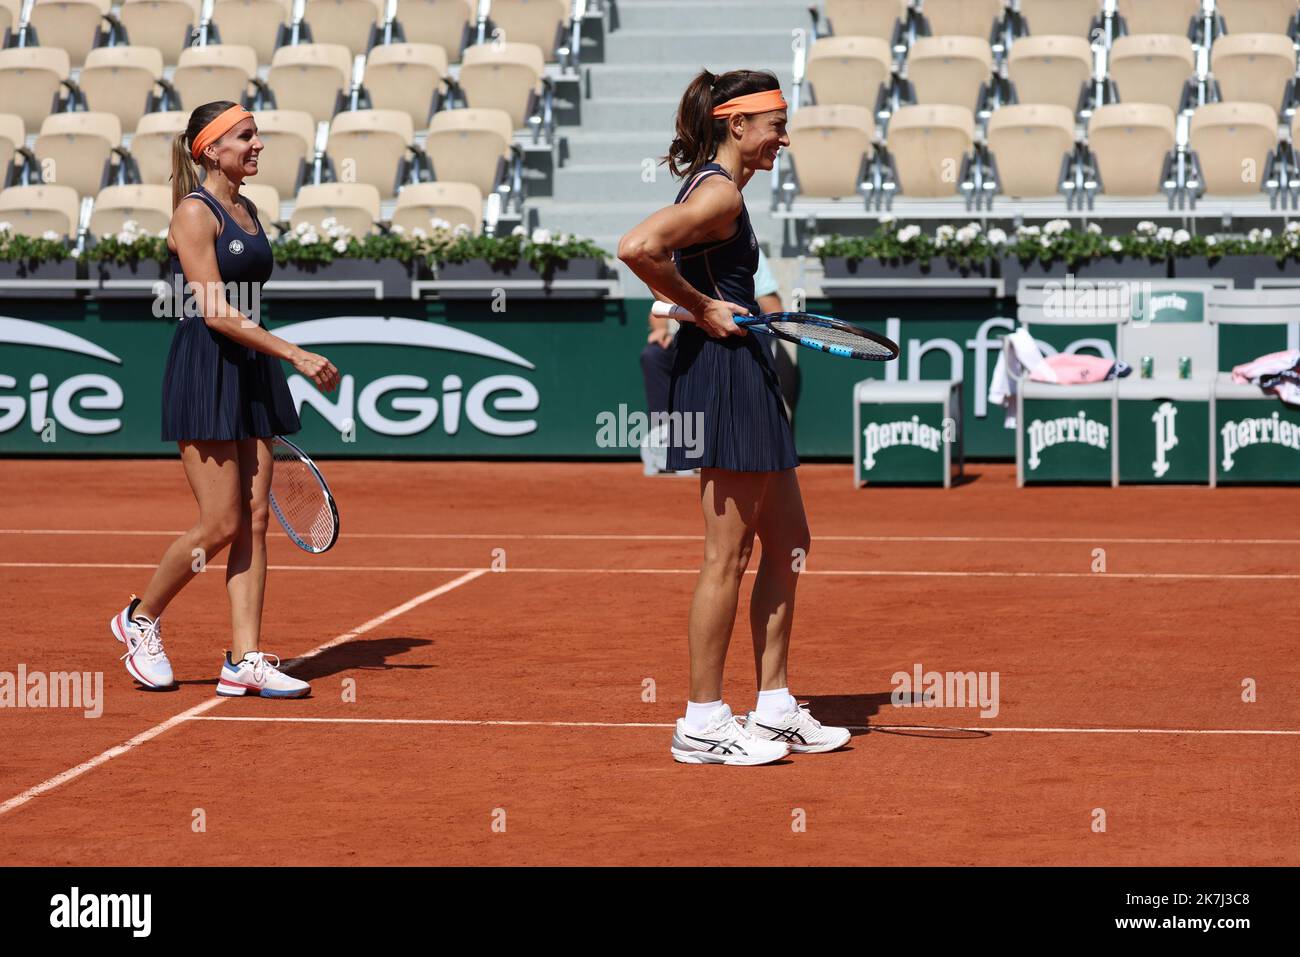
215 389
728 387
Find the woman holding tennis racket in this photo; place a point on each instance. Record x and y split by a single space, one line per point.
225 398
701 254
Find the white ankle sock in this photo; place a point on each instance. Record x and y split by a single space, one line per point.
776 703
697 714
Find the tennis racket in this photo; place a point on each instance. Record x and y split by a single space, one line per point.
301 500
811 331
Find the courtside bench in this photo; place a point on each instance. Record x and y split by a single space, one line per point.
904 432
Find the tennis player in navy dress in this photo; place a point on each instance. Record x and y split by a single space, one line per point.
224 399
701 253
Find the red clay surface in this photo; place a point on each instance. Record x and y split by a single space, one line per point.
1161 641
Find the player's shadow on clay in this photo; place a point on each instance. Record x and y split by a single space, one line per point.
362 654
855 711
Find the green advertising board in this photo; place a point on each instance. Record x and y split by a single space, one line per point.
1164 441
903 442
1068 441
1256 440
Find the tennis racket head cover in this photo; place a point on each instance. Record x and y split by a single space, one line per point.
301 499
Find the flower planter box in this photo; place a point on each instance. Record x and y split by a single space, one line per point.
387 279
20 279
573 279
1244 270
841 267
128 280
1014 270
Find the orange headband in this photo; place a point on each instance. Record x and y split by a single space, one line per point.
217 129
762 102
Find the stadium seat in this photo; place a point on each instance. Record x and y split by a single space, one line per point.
1050 69
1029 141
1233 142
151 146
457 203
251 23
1158 16
1152 68
267 200
149 204
354 205
929 143
309 77
289 137
865 18
406 76
828 145
13 134
1253 67
77 145
70 25
848 70
119 80
344 22
1257 16
216 72
1130 142
502 77
366 146
539 22
949 69
32 210
1059 17
440 22
163 24
29 81
9 11
468 146
967 18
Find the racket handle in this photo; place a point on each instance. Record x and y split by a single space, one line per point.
671 311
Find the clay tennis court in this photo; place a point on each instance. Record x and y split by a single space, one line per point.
521 690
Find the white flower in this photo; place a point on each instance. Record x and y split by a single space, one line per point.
563 239
340 245
541 237
439 223
1164 234
6 227
1146 227
945 232
818 242
418 233
1027 230
126 239
311 238
328 223
301 229
1253 235
1291 227
908 233
1116 246
968 234
519 231
399 230
1266 234
462 229
1211 240
1182 236
1094 229
50 235
331 232
162 234
1046 242
888 219
1056 227
997 237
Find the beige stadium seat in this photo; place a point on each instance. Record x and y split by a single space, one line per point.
828 144
1029 142
31 210
440 22
289 136
69 24
1130 142
1258 16
1059 17
865 18
1253 67
967 18
163 24
929 144
119 80
1233 142
29 81
346 22
502 77
76 146
354 205
1050 69
405 76
366 146
251 23
9 12
13 134
848 70
151 146
216 72
531 21
1151 68
309 77
150 205
1159 16
420 203
267 200
949 69
467 146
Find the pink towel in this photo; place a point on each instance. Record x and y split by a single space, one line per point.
1270 364
1071 368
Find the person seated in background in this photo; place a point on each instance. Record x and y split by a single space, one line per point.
660 351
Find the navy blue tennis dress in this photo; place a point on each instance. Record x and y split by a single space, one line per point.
215 389
731 382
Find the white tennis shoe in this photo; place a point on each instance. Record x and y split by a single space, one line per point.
798 728
144 657
724 740
255 674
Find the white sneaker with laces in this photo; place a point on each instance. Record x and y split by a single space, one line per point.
144 657
804 733
255 674
724 740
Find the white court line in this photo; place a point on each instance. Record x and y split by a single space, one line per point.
191 713
636 724
578 537
846 572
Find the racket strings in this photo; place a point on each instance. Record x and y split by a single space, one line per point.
300 499
832 336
